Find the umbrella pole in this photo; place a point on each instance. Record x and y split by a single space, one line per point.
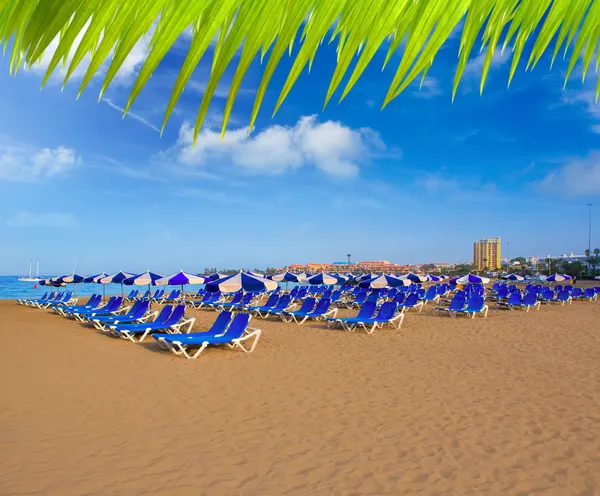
103 292
149 297
182 295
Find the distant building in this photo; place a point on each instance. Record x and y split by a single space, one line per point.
486 254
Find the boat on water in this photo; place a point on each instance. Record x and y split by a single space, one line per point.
30 278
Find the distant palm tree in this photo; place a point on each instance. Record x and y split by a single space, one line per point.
271 28
593 260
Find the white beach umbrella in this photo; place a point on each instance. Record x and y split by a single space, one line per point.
180 278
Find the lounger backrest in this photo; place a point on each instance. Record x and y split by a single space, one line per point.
294 291
360 298
367 310
134 308
431 293
220 324
327 294
563 295
283 302
548 294
336 295
457 303
322 306
272 301
387 311
374 296
307 305
411 300
176 316
589 293
238 326
248 297
140 310
514 299
577 292
164 314
529 299
475 304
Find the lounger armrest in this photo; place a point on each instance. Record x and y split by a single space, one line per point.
123 310
149 315
189 323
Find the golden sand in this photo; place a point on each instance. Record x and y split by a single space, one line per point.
444 406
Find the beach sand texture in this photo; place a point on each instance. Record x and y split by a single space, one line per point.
504 405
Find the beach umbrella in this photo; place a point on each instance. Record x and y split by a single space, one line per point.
180 279
341 278
96 279
72 279
513 277
302 276
117 278
242 282
286 277
257 274
366 277
558 278
320 278
414 277
214 277
384 281
144 279
470 279
434 278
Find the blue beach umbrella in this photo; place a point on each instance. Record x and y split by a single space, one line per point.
96 279
242 282
180 279
513 277
366 277
471 279
286 277
214 277
117 278
434 278
72 279
384 281
144 279
558 278
321 278
415 277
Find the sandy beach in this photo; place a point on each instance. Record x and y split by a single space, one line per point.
444 406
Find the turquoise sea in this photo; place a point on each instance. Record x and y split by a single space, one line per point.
11 288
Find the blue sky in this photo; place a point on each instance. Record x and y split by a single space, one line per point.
416 182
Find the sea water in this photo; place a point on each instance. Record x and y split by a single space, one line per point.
11 288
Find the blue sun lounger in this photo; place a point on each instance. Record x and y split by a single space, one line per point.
269 304
589 294
136 314
218 328
283 305
112 307
388 314
456 305
320 312
26 301
412 303
234 337
564 297
132 295
62 299
208 300
530 300
172 323
307 306
366 312
514 301
91 304
475 305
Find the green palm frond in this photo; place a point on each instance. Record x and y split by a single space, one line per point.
103 30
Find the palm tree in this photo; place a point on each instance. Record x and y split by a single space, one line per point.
271 28
593 260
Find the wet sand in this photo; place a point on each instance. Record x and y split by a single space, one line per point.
444 406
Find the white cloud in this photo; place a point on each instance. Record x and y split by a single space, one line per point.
125 75
429 88
222 90
474 69
20 164
576 177
131 114
331 147
54 220
596 128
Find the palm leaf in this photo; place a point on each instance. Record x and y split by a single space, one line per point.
101 30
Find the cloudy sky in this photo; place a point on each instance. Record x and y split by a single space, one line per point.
416 182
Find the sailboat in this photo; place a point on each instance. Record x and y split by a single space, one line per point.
30 278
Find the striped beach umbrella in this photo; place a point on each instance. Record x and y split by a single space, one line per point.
558 278
180 278
415 277
471 279
242 282
96 280
117 278
384 281
320 278
286 277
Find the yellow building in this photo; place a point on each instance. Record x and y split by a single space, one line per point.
486 254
